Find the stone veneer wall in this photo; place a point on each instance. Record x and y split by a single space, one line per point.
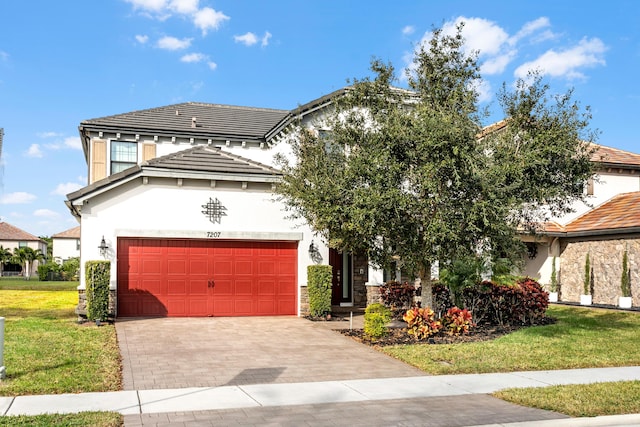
606 261
305 309
360 263
81 308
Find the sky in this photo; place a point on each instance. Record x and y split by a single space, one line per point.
62 62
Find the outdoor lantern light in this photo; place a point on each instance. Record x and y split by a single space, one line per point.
313 249
103 247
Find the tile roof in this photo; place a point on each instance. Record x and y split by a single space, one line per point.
202 160
618 213
72 233
609 156
9 232
213 120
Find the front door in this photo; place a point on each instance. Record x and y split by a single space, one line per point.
341 288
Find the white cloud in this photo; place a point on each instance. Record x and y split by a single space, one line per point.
266 38
48 134
480 35
408 30
173 43
73 142
17 198
47 213
208 19
530 28
4 55
142 39
567 63
148 5
212 65
65 188
248 39
34 151
184 7
193 57
497 64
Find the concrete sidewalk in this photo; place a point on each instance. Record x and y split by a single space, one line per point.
195 399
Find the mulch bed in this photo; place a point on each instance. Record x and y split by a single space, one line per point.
400 335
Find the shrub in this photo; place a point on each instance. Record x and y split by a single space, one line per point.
554 277
421 322
441 299
71 269
97 275
397 295
587 276
457 321
460 274
319 287
625 285
49 271
376 317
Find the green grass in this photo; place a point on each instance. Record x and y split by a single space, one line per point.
47 352
19 283
581 338
82 419
589 400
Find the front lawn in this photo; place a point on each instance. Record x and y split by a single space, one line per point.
580 338
48 352
94 419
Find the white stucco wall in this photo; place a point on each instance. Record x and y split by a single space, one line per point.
162 209
64 249
605 186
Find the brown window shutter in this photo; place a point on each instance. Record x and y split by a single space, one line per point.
590 187
148 152
98 160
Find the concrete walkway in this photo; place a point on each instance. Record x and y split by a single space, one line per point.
297 402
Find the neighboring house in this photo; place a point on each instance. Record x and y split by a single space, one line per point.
13 238
182 197
66 244
605 227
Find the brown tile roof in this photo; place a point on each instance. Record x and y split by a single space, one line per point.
614 157
618 213
9 232
72 233
552 227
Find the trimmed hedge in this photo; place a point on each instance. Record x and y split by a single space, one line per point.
319 286
97 275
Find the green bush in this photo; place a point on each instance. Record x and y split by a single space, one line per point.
97 277
71 269
376 317
319 287
625 284
49 271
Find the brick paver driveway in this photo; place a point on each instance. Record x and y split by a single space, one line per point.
208 352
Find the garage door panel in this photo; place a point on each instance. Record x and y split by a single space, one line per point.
184 277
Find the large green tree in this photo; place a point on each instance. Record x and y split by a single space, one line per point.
408 175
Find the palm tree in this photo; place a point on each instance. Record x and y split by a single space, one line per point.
25 257
5 256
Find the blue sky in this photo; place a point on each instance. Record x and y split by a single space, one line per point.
67 61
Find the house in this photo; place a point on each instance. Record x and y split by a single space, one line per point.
66 244
180 200
12 238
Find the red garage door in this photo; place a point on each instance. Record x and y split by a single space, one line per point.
182 277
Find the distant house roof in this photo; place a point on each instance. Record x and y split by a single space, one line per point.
613 157
9 232
199 162
72 233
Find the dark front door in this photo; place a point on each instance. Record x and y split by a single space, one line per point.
342 277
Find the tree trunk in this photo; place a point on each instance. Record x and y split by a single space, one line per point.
426 287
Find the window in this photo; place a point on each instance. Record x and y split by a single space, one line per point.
77 244
589 187
123 155
22 244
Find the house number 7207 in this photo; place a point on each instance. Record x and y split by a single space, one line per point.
213 234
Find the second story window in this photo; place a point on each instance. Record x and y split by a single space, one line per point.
123 155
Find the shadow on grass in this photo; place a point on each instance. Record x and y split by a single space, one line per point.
13 313
11 375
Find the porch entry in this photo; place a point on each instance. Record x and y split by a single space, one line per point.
342 281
